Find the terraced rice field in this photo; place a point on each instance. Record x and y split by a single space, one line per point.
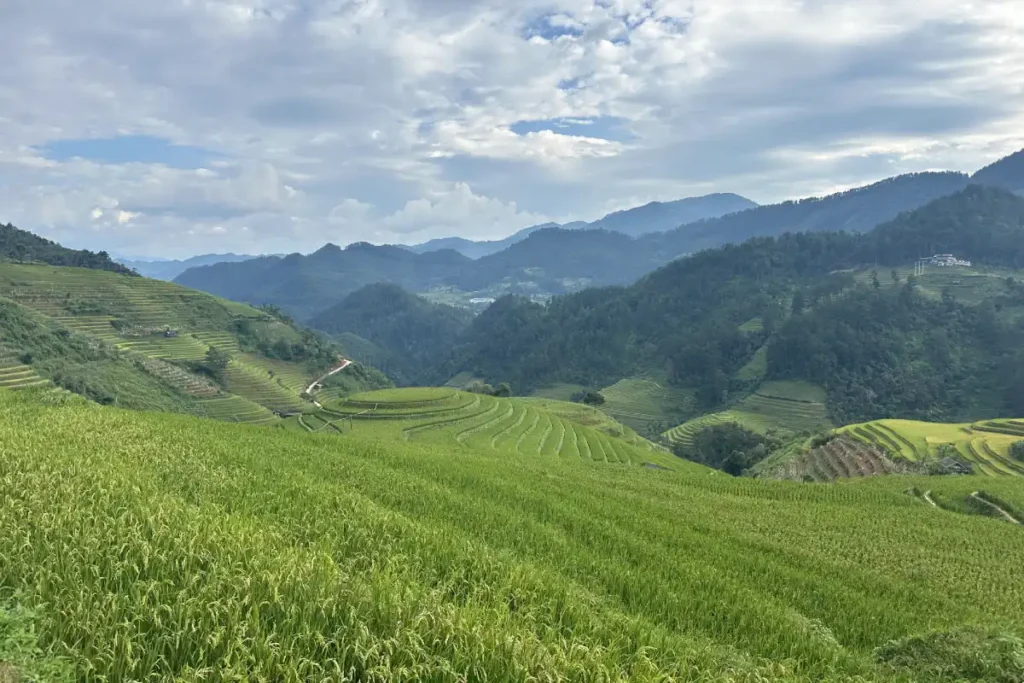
984 444
237 409
485 424
794 406
841 458
187 382
640 402
756 368
16 375
133 313
255 384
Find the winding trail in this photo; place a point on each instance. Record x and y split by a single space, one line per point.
345 362
1006 515
928 497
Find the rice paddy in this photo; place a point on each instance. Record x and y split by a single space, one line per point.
468 545
792 406
985 445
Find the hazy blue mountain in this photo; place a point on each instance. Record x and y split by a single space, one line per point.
663 216
170 269
641 220
476 250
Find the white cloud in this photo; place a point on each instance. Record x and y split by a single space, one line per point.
390 120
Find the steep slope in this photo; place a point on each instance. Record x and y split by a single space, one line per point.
1007 173
664 216
385 560
22 246
146 344
412 331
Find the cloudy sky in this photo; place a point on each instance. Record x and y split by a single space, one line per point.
177 127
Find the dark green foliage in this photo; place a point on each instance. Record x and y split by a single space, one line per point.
304 346
21 657
23 246
356 378
728 447
215 363
503 390
589 397
1007 173
968 653
1017 450
893 352
413 332
481 388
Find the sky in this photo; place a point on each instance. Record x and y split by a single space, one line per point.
172 128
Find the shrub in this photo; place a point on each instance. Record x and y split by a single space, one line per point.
963 654
1017 450
589 397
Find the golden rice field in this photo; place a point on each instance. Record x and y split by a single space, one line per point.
157 547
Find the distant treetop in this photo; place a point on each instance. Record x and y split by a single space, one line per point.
25 247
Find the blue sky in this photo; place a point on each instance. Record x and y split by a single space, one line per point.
170 129
128 149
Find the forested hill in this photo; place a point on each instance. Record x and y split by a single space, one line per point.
1007 173
306 285
24 247
413 332
684 320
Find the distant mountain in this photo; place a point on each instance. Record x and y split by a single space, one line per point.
1007 173
306 285
473 249
26 247
857 210
413 332
664 216
170 269
556 260
653 217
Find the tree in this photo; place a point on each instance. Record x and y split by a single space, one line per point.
588 397
875 282
216 363
504 390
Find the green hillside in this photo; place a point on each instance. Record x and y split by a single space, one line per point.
142 344
259 554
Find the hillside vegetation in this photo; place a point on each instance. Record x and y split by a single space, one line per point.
376 559
146 344
693 320
24 247
412 332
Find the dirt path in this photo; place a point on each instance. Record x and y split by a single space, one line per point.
1006 515
928 497
345 362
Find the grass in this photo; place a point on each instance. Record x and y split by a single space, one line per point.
756 368
984 444
185 549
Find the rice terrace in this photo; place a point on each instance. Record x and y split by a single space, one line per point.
589 341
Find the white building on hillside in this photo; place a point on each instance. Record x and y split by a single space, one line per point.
946 260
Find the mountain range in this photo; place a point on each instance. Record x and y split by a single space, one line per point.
168 269
641 220
554 260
